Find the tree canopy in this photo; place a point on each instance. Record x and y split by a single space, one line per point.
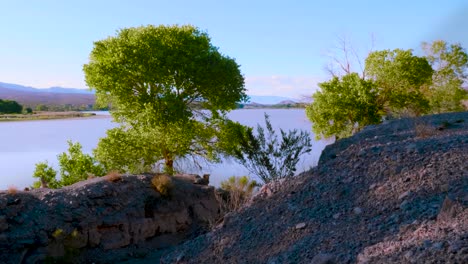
450 64
10 107
169 85
396 83
343 106
400 77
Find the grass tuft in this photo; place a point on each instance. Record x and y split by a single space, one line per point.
113 176
12 189
163 184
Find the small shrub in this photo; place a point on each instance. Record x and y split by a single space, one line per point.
113 176
265 156
46 175
12 189
163 184
76 166
57 233
238 191
424 130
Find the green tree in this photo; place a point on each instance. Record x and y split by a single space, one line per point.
158 79
344 106
10 107
76 166
401 78
41 107
450 64
46 175
265 156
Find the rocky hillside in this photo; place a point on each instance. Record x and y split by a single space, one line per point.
393 193
98 220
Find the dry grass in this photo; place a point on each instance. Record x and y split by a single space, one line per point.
424 130
12 189
113 176
163 184
235 193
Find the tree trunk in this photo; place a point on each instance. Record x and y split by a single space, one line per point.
169 165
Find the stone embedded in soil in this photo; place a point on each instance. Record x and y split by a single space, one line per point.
301 226
357 210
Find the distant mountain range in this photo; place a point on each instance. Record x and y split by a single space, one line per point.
18 87
59 96
269 100
31 96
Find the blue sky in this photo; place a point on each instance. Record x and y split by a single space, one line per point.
282 46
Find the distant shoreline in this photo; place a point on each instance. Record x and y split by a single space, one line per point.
45 116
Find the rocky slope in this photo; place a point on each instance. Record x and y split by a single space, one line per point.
101 219
393 193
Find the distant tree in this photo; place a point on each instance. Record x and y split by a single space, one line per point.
450 64
401 78
41 107
265 156
29 110
158 79
10 107
344 106
394 83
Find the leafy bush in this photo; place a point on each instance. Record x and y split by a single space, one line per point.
163 184
268 158
46 175
76 166
238 191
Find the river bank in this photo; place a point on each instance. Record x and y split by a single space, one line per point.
44 116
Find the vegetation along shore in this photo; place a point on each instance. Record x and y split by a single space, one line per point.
391 189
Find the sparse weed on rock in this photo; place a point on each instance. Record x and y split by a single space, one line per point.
163 184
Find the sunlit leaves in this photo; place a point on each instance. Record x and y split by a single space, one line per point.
343 106
159 78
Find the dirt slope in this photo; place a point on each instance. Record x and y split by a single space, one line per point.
394 193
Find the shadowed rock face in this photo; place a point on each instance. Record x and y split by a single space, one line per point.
393 193
101 215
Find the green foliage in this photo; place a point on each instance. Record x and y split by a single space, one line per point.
158 79
76 166
450 64
343 106
29 110
41 107
46 175
400 77
267 157
10 107
241 184
398 83
165 68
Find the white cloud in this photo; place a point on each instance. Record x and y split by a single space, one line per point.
281 85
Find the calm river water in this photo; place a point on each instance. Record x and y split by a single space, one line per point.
24 143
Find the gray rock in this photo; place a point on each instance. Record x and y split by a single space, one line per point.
323 258
404 195
99 213
404 205
357 210
301 225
